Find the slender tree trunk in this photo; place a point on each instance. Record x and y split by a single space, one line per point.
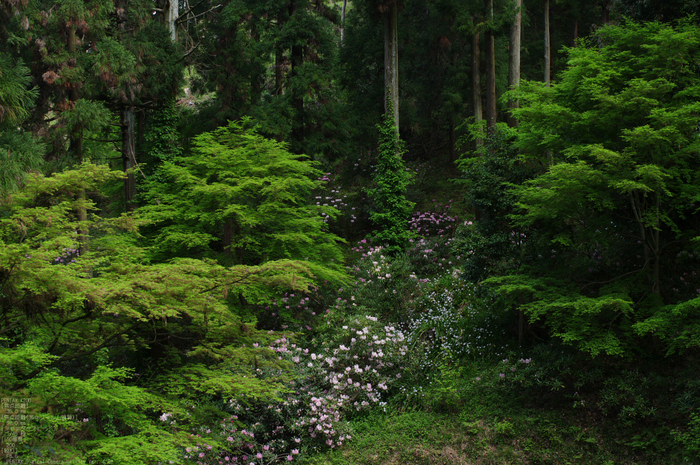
83 233
521 327
129 154
342 21
391 63
128 126
656 288
649 241
547 46
606 12
140 132
297 96
228 238
453 141
255 81
514 65
76 136
476 84
171 18
76 147
574 33
490 73
279 75
279 59
297 59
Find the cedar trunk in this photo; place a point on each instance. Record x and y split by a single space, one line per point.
129 154
476 83
171 18
547 46
514 65
490 72
391 62
342 21
76 146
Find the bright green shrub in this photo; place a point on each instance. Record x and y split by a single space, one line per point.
243 199
118 340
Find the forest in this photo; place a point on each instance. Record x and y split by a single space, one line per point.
349 232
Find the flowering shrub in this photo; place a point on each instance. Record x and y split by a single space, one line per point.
232 442
385 285
362 359
352 368
298 310
330 195
451 324
543 369
352 219
432 256
437 223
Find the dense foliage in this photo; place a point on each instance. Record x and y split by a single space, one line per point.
616 204
219 243
392 179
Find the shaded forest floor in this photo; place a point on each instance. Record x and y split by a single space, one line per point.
495 432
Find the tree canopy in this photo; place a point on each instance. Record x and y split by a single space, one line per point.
617 140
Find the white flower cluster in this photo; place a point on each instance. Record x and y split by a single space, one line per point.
353 375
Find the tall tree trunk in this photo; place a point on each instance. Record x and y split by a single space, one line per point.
228 238
453 141
297 96
514 65
606 12
76 147
476 84
140 132
342 21
391 62
490 72
129 154
279 58
547 46
279 75
128 125
83 232
171 18
574 33
76 136
521 327
255 81
297 59
656 288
